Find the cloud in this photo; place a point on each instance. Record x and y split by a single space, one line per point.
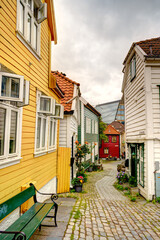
94 37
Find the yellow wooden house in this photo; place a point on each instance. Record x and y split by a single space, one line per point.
29 98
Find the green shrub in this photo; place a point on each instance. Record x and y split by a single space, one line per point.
119 187
158 199
133 199
132 181
122 177
72 190
127 193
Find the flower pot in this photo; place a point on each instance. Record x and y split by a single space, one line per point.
78 188
90 169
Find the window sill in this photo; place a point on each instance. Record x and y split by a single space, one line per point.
38 154
28 45
9 162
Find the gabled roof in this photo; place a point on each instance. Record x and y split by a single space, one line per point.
118 126
150 47
110 130
67 87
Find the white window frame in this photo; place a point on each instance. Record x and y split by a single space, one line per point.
42 15
93 126
54 134
10 159
61 111
88 155
88 125
96 127
49 117
52 105
21 87
96 148
133 67
41 149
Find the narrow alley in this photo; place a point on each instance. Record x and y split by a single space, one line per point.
102 212
107 214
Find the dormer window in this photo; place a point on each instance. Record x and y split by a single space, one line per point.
133 67
30 13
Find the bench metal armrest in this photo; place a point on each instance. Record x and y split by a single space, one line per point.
54 196
18 235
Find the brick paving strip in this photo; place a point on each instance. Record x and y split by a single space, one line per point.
105 213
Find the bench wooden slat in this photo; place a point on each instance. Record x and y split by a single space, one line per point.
35 222
20 223
11 204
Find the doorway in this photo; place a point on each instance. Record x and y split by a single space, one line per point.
134 160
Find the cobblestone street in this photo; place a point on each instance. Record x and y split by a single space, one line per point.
105 213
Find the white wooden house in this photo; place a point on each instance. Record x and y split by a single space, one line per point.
69 124
141 89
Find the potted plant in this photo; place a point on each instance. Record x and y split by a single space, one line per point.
81 152
77 183
90 169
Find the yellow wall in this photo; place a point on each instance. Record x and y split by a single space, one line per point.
64 156
15 56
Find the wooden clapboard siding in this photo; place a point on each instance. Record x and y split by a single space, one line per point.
17 58
135 101
64 155
63 132
155 80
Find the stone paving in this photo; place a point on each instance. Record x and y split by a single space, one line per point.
105 213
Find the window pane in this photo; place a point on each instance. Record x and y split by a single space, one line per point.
57 111
114 139
45 104
15 87
2 130
10 87
51 133
54 134
13 132
43 132
30 3
35 37
38 133
21 16
29 28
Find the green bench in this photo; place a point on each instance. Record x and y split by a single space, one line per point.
24 227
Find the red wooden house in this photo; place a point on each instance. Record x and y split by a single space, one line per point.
110 147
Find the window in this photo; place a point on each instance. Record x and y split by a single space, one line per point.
106 140
11 87
88 155
96 148
93 126
52 133
10 134
141 164
59 111
30 13
46 125
106 150
96 127
88 125
133 67
114 139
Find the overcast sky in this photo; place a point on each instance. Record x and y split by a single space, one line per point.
94 37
